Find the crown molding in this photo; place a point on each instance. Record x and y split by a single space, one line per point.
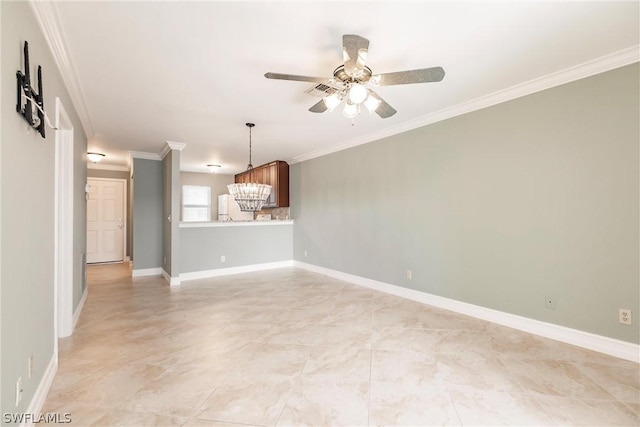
599 65
170 145
47 18
143 155
103 166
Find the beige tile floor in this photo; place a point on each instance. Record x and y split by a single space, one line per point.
291 348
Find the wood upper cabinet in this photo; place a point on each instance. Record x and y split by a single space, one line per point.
275 174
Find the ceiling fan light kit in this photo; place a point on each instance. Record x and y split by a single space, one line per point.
349 80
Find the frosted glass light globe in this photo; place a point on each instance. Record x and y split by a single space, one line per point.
350 111
372 104
357 93
332 101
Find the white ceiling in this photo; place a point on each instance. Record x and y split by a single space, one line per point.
193 72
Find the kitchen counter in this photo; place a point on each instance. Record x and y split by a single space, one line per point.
234 223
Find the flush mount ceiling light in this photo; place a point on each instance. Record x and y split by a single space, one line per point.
95 157
213 168
249 195
347 83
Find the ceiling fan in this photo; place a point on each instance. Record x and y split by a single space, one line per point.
349 80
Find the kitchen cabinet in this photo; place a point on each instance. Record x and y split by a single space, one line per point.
275 174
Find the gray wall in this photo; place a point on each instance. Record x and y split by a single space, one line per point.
218 184
499 208
27 211
201 247
147 213
103 173
171 208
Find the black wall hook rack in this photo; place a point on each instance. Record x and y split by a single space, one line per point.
27 95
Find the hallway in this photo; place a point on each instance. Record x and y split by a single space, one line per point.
291 347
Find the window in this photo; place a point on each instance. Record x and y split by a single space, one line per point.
196 203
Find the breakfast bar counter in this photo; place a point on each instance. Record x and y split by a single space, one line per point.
209 249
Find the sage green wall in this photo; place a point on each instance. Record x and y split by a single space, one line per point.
201 247
147 213
27 211
501 207
171 208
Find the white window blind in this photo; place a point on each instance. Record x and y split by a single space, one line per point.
196 203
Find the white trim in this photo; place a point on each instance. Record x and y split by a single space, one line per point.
143 155
599 343
40 396
170 145
147 272
103 166
125 236
47 18
63 217
78 312
205 274
605 63
172 281
234 223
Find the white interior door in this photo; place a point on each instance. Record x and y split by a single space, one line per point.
105 220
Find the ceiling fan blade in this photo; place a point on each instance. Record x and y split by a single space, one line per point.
384 110
354 54
422 75
319 107
279 76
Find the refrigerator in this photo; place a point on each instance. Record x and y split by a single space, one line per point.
229 210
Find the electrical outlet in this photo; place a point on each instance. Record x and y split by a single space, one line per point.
19 391
624 316
30 365
550 302
165 260
409 274
223 258
305 253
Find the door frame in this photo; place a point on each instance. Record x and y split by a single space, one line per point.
63 234
124 214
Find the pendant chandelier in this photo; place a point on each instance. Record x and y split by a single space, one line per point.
249 195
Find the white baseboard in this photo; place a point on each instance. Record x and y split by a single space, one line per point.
147 272
173 281
205 274
599 343
78 312
40 396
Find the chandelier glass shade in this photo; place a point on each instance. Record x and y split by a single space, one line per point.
249 195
